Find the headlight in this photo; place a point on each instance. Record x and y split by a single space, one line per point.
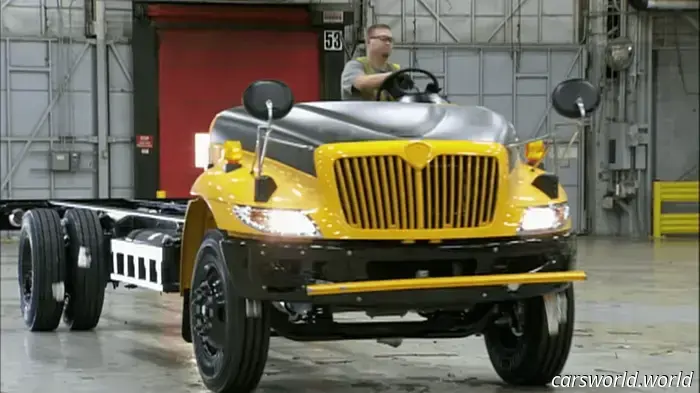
276 221
541 219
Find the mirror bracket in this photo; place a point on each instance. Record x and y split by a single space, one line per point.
263 135
266 101
581 107
265 186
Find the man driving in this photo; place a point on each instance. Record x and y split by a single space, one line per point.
363 76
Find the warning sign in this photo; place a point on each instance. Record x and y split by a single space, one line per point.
333 17
144 141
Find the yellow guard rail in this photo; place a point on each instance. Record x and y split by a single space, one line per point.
675 223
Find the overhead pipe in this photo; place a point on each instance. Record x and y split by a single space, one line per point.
665 5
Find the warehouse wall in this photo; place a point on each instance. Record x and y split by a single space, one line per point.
504 54
649 110
48 130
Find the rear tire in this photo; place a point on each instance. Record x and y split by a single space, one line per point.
230 347
535 357
86 270
41 269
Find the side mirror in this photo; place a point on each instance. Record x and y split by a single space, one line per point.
575 98
268 100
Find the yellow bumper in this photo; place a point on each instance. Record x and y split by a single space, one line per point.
444 282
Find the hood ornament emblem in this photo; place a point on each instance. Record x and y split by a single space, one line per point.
418 154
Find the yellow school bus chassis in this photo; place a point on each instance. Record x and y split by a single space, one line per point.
382 209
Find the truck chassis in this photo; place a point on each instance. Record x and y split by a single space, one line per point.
69 251
132 242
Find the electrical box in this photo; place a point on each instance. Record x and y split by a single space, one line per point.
640 157
619 151
60 161
74 161
608 203
65 161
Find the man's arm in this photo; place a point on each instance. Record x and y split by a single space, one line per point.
354 77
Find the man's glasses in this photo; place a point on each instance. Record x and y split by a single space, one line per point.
383 38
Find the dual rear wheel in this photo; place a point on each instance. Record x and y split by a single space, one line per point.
62 269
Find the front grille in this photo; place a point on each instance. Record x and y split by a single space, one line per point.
385 192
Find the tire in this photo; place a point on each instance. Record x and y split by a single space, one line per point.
243 341
85 270
185 329
535 357
41 269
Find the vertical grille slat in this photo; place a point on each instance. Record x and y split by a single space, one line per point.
408 172
386 192
460 191
453 181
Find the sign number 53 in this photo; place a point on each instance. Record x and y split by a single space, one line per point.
332 40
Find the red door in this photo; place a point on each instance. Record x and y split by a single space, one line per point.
203 72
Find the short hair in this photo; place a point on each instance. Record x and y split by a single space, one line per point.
376 26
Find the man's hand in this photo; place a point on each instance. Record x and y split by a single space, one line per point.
370 82
405 82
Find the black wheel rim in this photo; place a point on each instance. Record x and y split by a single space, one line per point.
26 274
209 318
503 338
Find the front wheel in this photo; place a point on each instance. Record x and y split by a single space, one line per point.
230 346
524 352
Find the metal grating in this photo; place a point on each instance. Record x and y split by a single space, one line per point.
385 192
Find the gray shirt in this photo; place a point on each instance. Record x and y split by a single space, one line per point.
352 70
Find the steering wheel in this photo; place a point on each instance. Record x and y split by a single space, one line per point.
399 85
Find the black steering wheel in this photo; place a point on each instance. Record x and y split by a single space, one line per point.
398 84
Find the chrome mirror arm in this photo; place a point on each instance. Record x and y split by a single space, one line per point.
262 137
581 107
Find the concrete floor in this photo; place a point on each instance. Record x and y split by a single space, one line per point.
637 312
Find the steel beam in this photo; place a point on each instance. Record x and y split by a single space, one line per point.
8 111
439 23
102 97
506 19
692 21
120 62
58 139
5 4
495 46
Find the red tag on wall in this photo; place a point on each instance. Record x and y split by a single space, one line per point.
144 141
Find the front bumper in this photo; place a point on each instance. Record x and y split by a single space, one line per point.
384 273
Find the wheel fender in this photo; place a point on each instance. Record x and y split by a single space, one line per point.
198 220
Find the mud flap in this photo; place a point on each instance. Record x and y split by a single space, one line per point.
555 310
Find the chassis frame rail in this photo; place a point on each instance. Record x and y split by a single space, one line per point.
172 210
